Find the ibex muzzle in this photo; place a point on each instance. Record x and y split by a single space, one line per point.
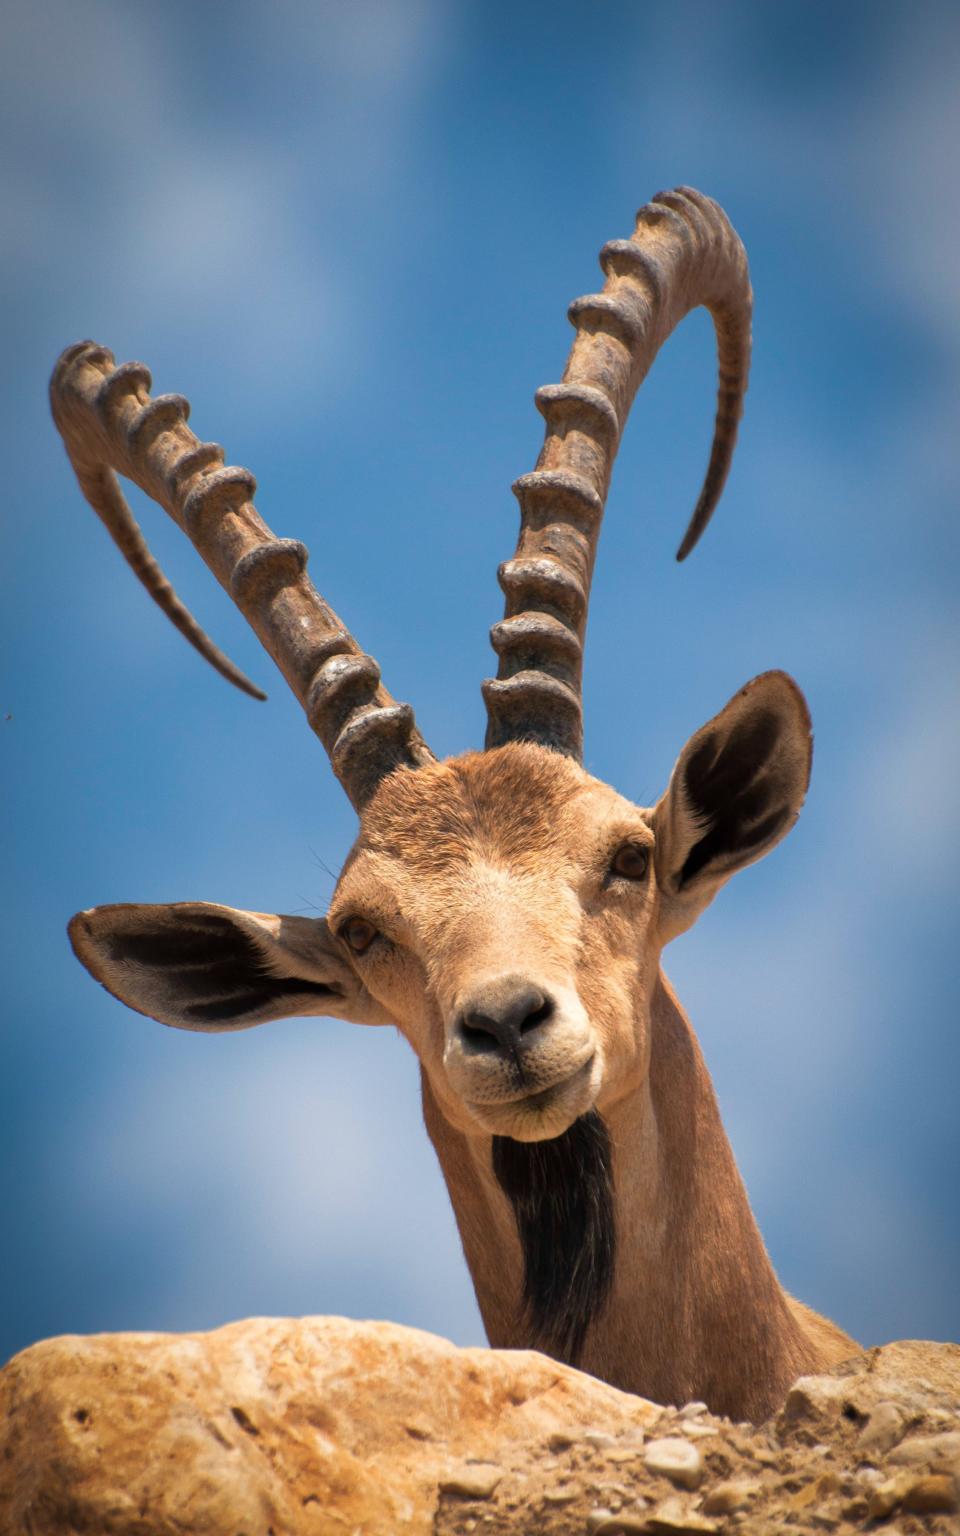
522 1056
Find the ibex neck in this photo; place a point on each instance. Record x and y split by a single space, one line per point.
695 1310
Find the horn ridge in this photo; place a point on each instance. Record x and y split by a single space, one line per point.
110 425
683 253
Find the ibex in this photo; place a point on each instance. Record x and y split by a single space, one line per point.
505 909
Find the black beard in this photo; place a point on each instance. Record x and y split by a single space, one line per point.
561 1192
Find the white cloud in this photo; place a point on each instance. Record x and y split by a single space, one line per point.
139 207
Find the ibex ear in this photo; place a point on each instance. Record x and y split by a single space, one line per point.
198 965
736 790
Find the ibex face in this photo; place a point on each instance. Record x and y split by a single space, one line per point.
481 909
507 910
504 909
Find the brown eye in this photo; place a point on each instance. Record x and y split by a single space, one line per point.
630 861
358 933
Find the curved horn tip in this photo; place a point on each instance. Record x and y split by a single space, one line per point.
696 528
251 689
89 349
688 543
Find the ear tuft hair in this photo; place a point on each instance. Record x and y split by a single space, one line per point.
197 965
215 963
737 788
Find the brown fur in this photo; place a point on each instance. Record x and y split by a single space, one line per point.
696 1310
503 865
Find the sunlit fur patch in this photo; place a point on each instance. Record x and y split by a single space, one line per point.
561 1192
517 799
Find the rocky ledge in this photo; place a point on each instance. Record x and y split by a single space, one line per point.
274 1427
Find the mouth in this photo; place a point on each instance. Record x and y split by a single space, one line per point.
545 1113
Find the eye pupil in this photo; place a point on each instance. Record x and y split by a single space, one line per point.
359 934
631 861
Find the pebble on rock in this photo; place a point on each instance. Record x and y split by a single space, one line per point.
886 1496
597 1439
473 1480
940 1452
597 1519
934 1495
674 1518
882 1430
676 1459
560 1496
813 1397
727 1498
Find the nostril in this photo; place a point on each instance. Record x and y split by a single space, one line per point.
503 1015
479 1033
537 1016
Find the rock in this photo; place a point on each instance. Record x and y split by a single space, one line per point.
474 1480
814 1397
931 1495
675 1518
558 1496
816 1492
941 1453
932 1370
917 1377
854 1510
765 1456
561 1441
870 1477
623 1525
597 1519
727 1498
298 1426
597 1439
885 1426
324 1427
676 1459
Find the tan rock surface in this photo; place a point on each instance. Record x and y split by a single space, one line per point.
272 1425
323 1425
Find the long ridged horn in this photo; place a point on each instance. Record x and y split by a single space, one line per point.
109 423
683 253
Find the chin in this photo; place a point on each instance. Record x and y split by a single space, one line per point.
545 1115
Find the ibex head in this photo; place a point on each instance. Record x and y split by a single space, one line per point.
505 909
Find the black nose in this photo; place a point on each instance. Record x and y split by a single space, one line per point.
503 1015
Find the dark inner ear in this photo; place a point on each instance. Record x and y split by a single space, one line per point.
738 788
225 966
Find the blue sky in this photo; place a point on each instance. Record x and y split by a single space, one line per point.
349 234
